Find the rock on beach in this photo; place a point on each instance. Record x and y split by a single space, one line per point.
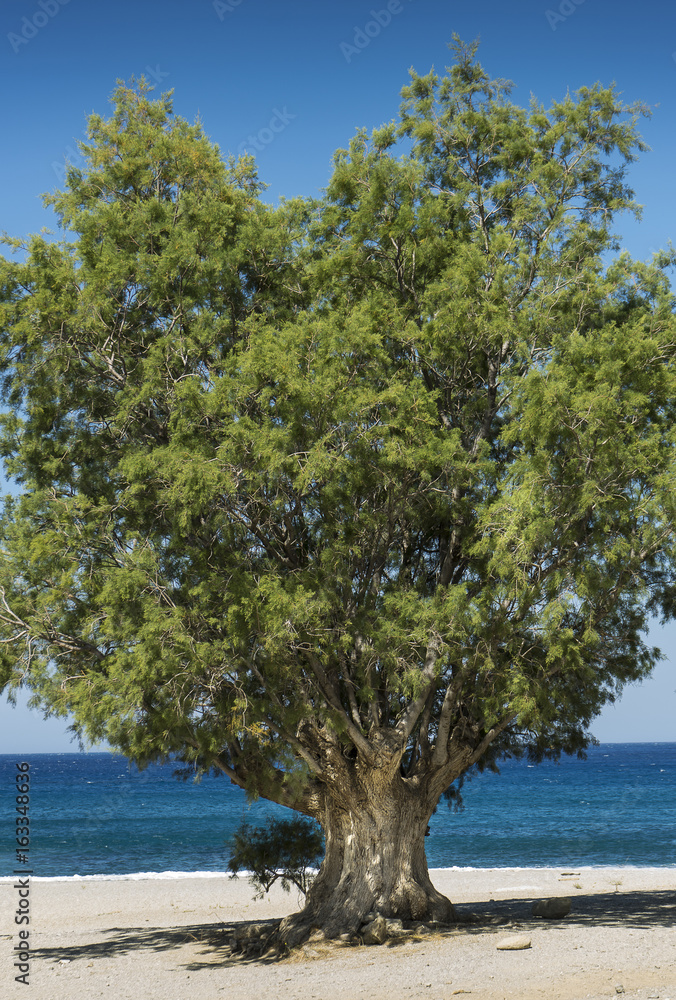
552 909
517 942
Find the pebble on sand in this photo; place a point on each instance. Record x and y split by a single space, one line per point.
518 942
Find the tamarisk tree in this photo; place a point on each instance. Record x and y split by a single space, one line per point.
348 497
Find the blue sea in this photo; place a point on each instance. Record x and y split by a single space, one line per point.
95 814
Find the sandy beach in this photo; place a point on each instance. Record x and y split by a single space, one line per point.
167 939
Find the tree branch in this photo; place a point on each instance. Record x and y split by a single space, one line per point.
406 724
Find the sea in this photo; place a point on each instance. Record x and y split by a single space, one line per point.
96 815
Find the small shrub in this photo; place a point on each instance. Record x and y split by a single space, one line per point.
282 850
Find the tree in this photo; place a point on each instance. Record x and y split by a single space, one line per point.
346 498
281 851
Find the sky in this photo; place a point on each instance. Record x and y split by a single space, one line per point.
291 82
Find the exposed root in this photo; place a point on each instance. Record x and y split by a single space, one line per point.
279 938
254 940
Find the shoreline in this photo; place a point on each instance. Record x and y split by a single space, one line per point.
176 875
167 937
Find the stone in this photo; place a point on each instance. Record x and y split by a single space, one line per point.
375 932
252 937
395 928
518 942
552 909
255 930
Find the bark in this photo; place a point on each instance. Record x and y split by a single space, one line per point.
374 822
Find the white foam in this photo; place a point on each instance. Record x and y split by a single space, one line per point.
133 877
504 868
140 876
557 868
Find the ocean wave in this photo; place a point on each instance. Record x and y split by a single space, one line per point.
132 877
169 875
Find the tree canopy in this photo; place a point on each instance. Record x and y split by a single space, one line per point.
347 496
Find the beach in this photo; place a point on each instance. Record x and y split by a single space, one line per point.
167 938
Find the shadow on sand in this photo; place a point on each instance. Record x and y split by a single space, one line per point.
211 940
628 909
609 909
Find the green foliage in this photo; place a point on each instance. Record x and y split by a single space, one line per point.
397 461
282 851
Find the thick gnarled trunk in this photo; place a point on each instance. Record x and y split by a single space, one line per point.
375 860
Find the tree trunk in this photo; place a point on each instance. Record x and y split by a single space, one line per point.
375 862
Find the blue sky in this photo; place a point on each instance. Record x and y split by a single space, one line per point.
291 81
